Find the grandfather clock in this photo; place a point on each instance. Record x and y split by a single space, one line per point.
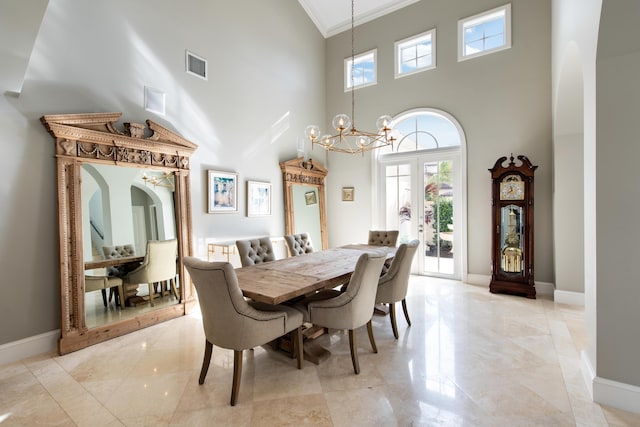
512 227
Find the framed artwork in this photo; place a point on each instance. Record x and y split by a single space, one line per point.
310 198
258 198
347 194
223 192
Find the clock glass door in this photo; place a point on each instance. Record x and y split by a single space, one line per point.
512 239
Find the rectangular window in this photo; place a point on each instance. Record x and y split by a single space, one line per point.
362 72
484 33
415 54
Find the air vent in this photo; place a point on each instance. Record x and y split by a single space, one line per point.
196 65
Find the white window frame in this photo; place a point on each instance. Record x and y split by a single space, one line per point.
356 59
413 41
480 19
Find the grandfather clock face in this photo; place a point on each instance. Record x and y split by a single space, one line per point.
512 188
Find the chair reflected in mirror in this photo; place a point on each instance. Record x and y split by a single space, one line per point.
102 283
158 267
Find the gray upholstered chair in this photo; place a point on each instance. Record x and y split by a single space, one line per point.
118 251
231 322
383 237
158 266
102 283
298 244
255 251
353 307
392 286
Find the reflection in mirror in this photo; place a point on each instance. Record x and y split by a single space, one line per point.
306 212
126 207
304 200
122 208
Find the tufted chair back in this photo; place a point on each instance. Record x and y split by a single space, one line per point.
298 244
255 251
383 237
121 251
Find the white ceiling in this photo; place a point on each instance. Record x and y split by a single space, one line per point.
334 16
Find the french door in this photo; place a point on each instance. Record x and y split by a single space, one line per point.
422 199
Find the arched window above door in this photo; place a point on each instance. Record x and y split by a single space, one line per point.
424 129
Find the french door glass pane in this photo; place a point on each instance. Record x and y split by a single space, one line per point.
438 217
398 200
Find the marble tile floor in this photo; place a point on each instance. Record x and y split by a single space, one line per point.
471 358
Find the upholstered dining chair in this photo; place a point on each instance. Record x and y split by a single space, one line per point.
118 251
298 244
231 322
102 283
383 237
392 286
352 308
158 266
114 252
255 251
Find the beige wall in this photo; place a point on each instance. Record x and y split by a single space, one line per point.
502 101
266 82
617 206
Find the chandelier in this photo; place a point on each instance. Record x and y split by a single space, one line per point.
165 180
349 139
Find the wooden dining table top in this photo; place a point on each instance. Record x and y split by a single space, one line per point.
278 281
112 262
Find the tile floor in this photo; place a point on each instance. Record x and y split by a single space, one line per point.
470 359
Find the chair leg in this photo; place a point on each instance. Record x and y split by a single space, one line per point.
208 349
392 317
372 339
237 376
406 312
298 346
104 297
174 289
354 351
120 296
151 292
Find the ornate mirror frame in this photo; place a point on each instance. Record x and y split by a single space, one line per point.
94 138
300 172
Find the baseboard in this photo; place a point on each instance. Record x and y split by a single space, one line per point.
607 392
568 297
542 288
30 346
588 374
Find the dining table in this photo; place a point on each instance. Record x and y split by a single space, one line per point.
287 279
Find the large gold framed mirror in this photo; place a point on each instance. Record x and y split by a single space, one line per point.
304 199
122 195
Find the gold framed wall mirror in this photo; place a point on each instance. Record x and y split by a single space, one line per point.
304 200
126 189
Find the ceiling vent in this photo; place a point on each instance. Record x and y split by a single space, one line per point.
196 65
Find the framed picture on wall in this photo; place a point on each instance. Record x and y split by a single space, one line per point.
258 198
347 194
310 198
223 192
